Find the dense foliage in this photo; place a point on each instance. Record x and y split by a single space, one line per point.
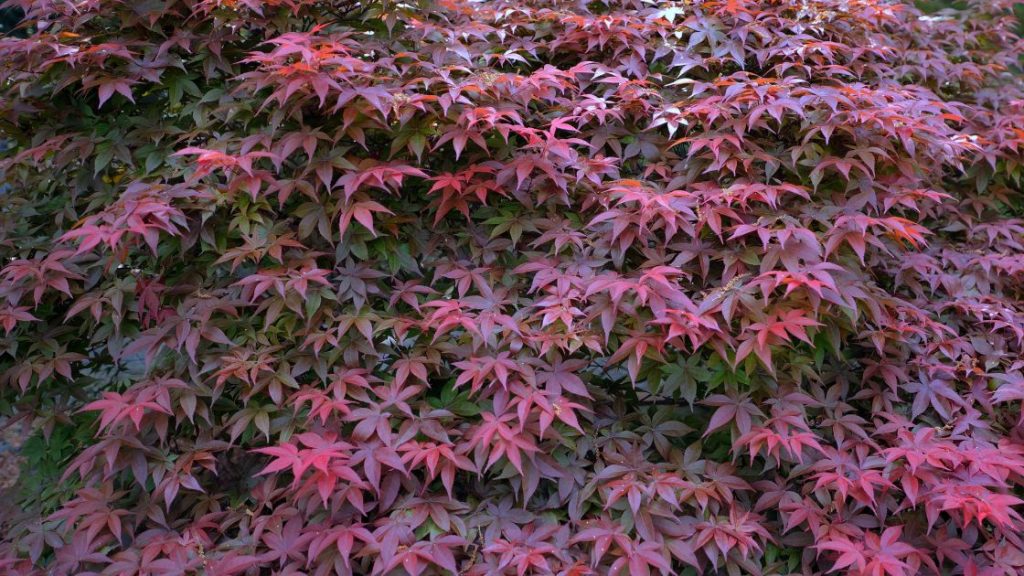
513 287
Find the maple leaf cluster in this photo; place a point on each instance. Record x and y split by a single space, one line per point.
301 287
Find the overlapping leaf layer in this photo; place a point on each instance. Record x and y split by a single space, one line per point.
513 287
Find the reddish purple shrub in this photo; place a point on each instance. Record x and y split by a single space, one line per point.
513 287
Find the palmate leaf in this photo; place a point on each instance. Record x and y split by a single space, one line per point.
511 287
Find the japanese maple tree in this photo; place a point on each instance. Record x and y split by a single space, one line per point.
513 287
